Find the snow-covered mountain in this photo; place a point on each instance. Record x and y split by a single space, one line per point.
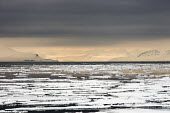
8 54
96 55
150 55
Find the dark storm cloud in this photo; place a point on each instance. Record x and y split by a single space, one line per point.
113 20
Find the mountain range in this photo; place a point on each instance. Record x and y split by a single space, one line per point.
150 55
8 54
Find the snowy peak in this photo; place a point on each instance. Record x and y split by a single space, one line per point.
149 53
8 54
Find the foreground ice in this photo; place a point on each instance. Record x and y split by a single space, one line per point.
135 111
85 88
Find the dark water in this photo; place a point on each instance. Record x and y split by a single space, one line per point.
81 63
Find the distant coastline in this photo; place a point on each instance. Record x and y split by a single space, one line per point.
80 63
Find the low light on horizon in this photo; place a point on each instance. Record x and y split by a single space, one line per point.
88 30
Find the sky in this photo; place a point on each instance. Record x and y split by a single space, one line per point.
72 29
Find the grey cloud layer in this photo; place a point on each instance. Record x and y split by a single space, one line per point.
114 20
